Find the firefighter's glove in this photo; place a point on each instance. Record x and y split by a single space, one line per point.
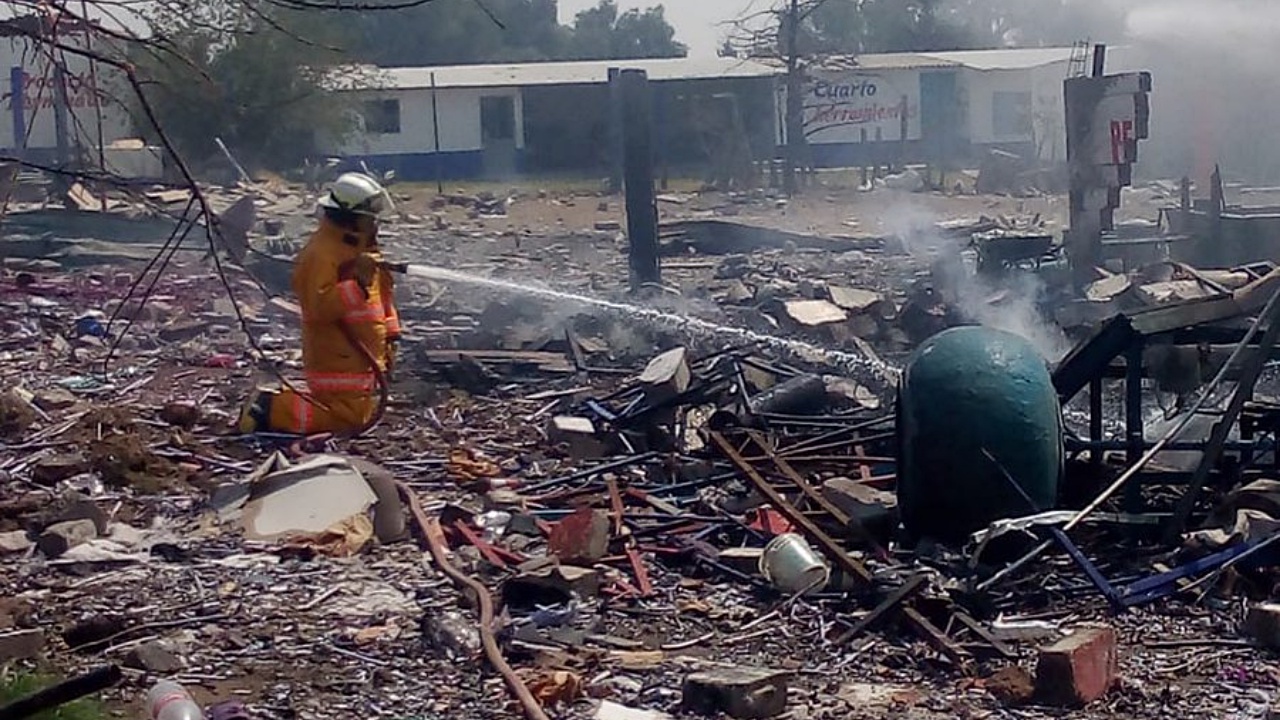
363 270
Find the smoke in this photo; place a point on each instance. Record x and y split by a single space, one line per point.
1009 302
1215 96
1214 99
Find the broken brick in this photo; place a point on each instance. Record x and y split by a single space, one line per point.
1011 686
582 536
1078 669
183 415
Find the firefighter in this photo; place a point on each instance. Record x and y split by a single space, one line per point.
349 321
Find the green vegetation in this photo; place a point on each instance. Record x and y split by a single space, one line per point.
452 32
251 76
14 685
254 75
877 26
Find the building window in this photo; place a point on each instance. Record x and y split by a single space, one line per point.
382 117
498 117
1011 115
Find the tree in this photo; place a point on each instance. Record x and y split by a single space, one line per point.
253 77
452 32
601 33
864 26
874 26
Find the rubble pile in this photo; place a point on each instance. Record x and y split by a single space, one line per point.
638 524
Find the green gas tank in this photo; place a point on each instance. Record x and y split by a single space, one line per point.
965 391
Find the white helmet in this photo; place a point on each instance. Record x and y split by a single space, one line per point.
357 193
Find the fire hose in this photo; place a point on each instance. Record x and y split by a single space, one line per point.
433 537
379 379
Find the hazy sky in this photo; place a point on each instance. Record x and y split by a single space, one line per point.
695 21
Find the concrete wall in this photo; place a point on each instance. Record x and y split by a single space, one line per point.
861 106
93 90
872 131
1045 135
412 152
852 118
1049 112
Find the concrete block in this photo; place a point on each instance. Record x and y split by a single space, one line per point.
579 434
873 509
1078 669
745 560
667 374
61 537
20 645
50 471
154 657
1262 624
558 580
614 711
743 693
854 299
814 313
15 541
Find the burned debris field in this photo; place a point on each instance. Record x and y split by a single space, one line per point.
677 504
860 378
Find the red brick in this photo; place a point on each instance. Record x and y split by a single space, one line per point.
1078 669
581 536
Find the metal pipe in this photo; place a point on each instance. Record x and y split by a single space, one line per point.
584 474
1267 312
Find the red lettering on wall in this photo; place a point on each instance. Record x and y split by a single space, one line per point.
41 92
1121 136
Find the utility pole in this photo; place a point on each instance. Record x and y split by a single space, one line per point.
795 99
642 207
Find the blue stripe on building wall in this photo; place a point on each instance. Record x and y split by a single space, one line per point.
426 167
852 155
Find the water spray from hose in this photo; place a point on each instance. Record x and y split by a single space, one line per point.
848 362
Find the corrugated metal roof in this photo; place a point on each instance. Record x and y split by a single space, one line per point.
982 60
593 72
886 61
565 73
1007 59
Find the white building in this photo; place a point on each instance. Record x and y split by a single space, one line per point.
949 104
97 114
496 120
